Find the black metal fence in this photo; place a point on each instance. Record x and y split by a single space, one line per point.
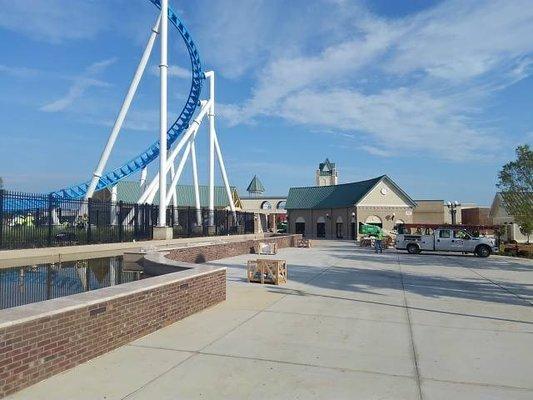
37 220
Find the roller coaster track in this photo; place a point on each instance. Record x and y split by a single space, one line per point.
178 127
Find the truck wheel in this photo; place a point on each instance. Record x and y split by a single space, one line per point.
483 251
413 249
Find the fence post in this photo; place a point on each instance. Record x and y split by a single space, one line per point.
120 225
50 221
1 217
135 220
89 221
189 221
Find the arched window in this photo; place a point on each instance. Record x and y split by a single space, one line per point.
373 220
265 205
281 205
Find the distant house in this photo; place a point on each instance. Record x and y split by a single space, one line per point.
500 216
434 212
338 211
476 216
269 209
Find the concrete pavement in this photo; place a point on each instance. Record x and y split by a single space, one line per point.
349 324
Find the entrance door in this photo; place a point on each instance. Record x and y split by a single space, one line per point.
300 228
339 230
352 231
320 229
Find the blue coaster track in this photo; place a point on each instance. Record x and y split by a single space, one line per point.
177 128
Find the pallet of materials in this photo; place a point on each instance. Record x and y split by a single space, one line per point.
266 248
306 243
267 271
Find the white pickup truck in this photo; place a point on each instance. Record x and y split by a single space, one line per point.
446 239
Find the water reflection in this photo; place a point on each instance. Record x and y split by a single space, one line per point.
29 284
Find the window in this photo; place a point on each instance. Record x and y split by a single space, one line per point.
281 205
461 235
265 205
445 234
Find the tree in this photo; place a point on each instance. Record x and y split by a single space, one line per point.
1 183
515 182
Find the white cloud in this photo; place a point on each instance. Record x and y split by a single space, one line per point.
460 40
395 121
19 72
54 21
80 85
429 75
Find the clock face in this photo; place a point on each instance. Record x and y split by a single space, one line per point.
383 191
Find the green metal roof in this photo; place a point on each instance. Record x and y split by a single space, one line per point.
255 186
130 192
334 196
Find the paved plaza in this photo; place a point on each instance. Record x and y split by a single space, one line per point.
350 324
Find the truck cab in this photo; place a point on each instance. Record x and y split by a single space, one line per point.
449 239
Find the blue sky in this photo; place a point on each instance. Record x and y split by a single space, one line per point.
436 94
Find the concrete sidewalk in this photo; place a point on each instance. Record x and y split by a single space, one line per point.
349 324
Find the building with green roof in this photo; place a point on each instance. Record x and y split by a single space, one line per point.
131 191
338 211
270 210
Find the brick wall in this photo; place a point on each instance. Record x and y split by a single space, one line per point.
201 254
39 348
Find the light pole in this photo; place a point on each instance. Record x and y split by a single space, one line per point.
452 206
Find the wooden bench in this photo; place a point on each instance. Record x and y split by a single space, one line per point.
267 271
266 248
306 243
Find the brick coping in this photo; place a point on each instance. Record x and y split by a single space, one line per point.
33 311
93 250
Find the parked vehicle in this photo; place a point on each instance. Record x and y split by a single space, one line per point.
446 239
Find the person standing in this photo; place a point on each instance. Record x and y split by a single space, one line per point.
379 239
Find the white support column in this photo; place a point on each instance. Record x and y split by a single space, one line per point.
197 204
163 122
114 197
193 128
173 194
225 177
144 175
181 165
211 76
123 111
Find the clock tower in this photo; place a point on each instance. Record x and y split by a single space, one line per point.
326 174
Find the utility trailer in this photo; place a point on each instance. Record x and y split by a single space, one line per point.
450 238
